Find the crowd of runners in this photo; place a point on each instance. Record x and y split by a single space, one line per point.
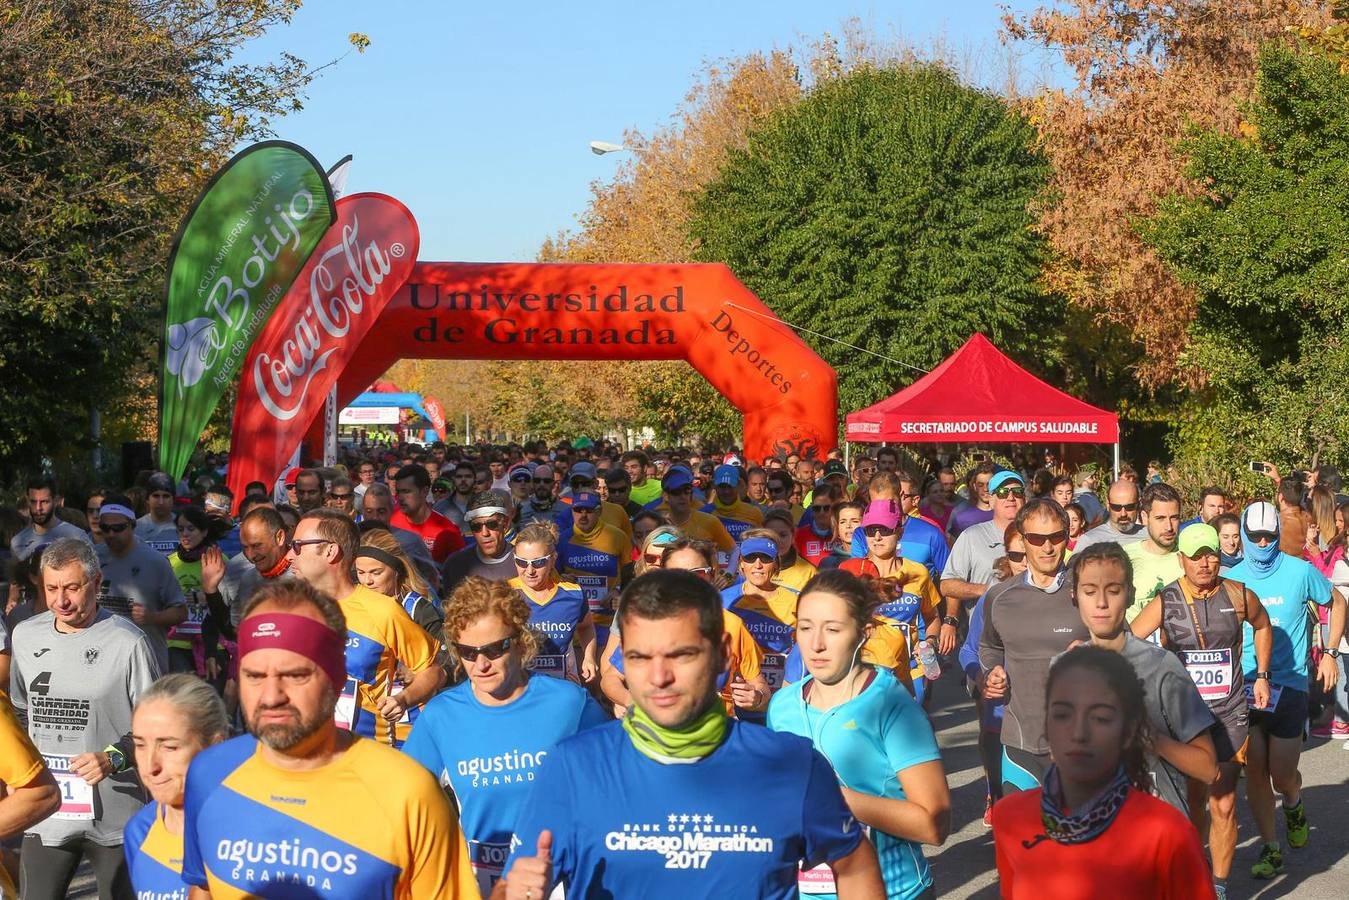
462 671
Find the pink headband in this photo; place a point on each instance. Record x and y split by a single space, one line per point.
311 639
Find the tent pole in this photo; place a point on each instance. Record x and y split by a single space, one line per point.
847 454
1116 461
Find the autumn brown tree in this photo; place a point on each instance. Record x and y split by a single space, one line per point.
1143 73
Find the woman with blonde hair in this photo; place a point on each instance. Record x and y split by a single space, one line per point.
382 566
485 737
558 612
176 718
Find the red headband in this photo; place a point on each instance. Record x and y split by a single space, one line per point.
311 639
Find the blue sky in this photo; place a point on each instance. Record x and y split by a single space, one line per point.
478 116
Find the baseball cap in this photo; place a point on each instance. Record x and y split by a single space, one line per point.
726 474
834 467
1260 516
881 512
1197 537
543 471
584 470
292 473
676 478
1001 478
585 500
520 473
443 484
759 545
731 459
160 482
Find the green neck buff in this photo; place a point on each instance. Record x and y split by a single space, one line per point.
677 747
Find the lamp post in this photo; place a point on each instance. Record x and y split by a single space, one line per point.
599 148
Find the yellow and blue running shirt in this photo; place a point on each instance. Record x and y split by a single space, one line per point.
555 618
371 823
154 855
737 518
380 634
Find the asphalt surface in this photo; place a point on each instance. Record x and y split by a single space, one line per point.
964 867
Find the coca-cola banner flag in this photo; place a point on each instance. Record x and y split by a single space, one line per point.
437 414
235 255
359 265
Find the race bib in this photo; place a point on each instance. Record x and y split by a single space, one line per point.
196 616
1211 672
1275 690
773 667
345 714
394 690
77 796
594 588
819 880
549 664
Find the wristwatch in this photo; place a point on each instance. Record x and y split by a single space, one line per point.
951 620
1262 675
1333 652
116 757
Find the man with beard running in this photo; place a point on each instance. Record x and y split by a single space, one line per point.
1201 616
43 525
157 529
298 807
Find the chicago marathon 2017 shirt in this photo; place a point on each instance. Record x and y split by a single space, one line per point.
489 756
737 823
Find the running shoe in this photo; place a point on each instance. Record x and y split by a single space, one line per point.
1296 821
1270 863
988 810
1340 731
1321 732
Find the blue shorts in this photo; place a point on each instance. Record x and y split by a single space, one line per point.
1287 719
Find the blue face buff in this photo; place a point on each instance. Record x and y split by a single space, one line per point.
1261 560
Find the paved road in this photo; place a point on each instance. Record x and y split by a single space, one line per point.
964 868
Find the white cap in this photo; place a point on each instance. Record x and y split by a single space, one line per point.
1260 516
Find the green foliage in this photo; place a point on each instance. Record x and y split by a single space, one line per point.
676 402
889 210
112 115
1267 250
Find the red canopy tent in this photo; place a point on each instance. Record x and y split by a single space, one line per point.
978 394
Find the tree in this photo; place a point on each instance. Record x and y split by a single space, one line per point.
1261 237
889 210
1144 71
112 115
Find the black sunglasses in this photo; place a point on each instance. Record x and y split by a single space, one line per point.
489 525
115 529
1121 507
1255 536
1003 493
758 558
877 531
1039 540
1016 556
494 650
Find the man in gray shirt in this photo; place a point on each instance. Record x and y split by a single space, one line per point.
157 528
137 582
44 526
969 568
1121 525
77 674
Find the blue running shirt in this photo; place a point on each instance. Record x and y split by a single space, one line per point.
683 832
1284 594
490 755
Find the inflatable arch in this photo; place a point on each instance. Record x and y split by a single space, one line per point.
787 394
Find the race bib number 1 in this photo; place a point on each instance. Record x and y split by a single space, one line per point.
77 797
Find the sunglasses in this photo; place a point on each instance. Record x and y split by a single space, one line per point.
1003 493
1039 540
114 529
543 481
653 559
1253 535
1016 556
346 496
872 531
819 510
540 563
494 650
701 571
1121 507
758 558
686 489
298 546
489 525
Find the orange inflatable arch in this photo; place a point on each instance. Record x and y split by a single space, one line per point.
787 394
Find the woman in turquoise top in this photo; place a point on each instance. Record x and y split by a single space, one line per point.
871 730
175 719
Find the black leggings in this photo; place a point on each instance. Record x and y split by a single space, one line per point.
45 872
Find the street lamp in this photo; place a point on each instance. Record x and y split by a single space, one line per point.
599 148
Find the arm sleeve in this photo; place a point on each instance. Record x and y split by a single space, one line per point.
439 867
907 736
18 686
828 827
142 670
20 762
990 642
969 651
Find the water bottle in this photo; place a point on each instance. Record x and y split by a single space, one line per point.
928 657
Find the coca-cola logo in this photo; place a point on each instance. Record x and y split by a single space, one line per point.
335 299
